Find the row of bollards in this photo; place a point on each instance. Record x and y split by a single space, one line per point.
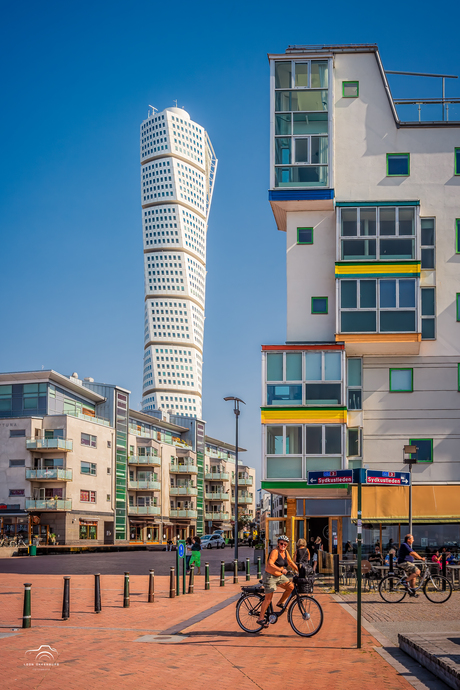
27 615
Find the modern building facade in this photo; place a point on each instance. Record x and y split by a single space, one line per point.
178 168
78 463
370 204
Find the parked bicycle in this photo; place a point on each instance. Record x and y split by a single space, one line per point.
7 541
394 587
305 614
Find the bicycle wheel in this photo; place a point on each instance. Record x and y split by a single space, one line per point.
392 590
305 616
248 612
12 543
437 589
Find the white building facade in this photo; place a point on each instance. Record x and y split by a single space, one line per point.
370 204
178 168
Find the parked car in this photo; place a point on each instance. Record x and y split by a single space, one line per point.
211 541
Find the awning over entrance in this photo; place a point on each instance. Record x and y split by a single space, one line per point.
388 504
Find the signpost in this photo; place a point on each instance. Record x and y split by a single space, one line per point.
180 560
359 476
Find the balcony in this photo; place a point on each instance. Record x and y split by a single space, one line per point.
217 516
247 481
46 444
183 491
150 460
144 485
217 496
243 499
179 513
56 474
144 510
183 469
50 504
90 418
219 476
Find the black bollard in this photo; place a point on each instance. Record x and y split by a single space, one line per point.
207 584
222 573
235 572
27 610
259 569
151 586
391 570
97 593
66 599
126 591
336 572
172 583
191 582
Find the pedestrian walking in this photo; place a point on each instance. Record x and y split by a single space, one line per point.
169 545
318 546
195 558
188 552
250 540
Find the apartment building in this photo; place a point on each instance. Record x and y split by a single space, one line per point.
368 194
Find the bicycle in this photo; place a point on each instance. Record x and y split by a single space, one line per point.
305 614
394 587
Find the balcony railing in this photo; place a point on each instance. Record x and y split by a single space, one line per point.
49 444
144 510
50 474
183 491
144 460
144 484
217 475
50 504
178 513
90 418
243 499
247 481
217 516
183 469
217 496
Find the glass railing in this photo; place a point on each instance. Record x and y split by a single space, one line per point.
89 418
141 484
186 469
144 510
243 481
217 496
183 491
58 474
217 516
183 513
243 499
217 475
50 504
144 460
49 444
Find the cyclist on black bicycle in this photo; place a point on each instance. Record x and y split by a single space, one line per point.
406 562
279 562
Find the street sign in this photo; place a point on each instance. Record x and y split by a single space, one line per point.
393 478
330 477
181 550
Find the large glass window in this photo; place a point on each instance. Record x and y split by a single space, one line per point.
284 440
323 440
393 311
320 370
428 313
386 233
355 383
427 242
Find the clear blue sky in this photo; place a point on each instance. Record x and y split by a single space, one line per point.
77 78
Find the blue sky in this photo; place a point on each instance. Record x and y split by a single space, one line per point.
77 79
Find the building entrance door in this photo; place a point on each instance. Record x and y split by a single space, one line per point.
319 527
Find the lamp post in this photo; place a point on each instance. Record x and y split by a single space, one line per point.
236 410
410 450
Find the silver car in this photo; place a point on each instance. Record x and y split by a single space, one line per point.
211 541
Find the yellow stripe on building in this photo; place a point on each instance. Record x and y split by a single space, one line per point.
377 269
305 416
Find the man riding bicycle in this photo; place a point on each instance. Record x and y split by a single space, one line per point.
406 562
279 562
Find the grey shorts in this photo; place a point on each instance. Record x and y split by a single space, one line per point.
271 582
408 567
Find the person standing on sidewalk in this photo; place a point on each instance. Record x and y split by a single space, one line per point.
188 552
318 546
195 558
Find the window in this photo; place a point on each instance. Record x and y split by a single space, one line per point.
285 440
88 529
88 440
428 313
16 433
353 442
88 467
304 235
457 162
398 164
350 89
457 238
321 368
385 233
323 440
87 496
16 492
427 242
355 383
319 305
458 305
383 306
401 380
17 463
424 449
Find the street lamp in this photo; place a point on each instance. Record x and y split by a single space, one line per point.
410 450
236 410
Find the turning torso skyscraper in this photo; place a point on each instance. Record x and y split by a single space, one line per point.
178 168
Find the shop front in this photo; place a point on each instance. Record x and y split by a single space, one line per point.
144 531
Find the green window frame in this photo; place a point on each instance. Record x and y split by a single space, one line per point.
402 390
457 160
350 85
458 305
314 308
457 235
414 441
398 155
303 241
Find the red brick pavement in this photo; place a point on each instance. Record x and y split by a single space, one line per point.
100 650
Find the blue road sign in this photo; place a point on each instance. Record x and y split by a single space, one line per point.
392 478
330 477
181 550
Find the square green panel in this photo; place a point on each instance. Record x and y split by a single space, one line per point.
319 305
350 89
304 235
398 164
425 449
457 161
457 238
401 380
458 305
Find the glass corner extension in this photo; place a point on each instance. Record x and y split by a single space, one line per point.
301 176
398 164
